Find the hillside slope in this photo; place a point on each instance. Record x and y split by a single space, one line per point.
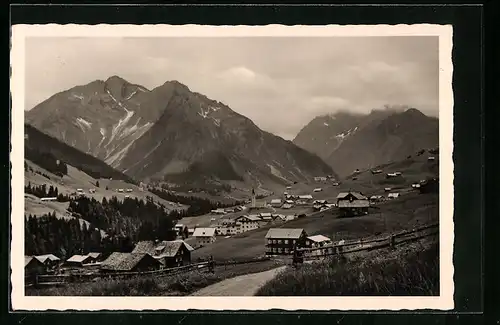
348 142
44 149
171 133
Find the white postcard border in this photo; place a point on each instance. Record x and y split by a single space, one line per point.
446 233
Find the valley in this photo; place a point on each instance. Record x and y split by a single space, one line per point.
131 167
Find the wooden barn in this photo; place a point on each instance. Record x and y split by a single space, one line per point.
170 253
32 266
78 260
130 262
352 204
48 260
283 241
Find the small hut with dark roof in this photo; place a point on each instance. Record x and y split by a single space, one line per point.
130 262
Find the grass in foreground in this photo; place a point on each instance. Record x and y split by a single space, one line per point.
408 272
175 285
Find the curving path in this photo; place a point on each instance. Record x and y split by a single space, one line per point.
243 285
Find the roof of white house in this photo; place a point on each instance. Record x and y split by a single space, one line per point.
318 238
204 232
284 233
393 195
266 214
275 201
306 196
94 254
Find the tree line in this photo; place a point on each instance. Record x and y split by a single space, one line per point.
132 217
44 191
197 206
64 238
124 222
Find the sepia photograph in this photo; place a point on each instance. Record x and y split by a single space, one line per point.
227 168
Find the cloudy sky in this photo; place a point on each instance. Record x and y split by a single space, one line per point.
280 83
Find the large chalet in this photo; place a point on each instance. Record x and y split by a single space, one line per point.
283 241
352 204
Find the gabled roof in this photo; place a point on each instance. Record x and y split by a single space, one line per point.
124 261
204 232
306 196
266 214
50 257
357 195
251 218
94 254
29 259
275 201
285 233
164 248
318 238
78 258
146 246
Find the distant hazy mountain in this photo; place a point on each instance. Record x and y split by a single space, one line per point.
170 133
350 141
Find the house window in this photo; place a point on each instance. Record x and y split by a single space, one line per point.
287 250
269 241
286 241
280 241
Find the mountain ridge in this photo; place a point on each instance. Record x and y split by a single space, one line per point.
167 132
353 141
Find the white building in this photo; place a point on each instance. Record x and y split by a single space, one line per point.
248 222
204 236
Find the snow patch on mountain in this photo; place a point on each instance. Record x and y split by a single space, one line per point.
135 132
216 121
132 94
326 124
83 124
275 171
77 96
343 135
115 159
205 112
119 126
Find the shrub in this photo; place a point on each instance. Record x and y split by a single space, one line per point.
415 274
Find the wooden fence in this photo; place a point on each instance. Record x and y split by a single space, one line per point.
370 243
68 278
49 280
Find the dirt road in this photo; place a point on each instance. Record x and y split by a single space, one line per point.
244 285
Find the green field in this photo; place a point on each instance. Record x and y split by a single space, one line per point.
409 210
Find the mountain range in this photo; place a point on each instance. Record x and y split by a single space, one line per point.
348 141
170 133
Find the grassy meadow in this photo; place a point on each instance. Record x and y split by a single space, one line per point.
409 270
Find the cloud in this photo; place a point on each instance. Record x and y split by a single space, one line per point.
280 83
